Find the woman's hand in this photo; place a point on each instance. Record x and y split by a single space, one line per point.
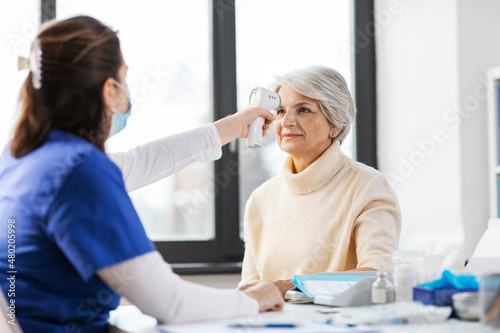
282 285
236 125
266 294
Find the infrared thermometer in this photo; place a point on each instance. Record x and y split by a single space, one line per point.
265 99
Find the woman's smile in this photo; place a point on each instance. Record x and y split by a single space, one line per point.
291 136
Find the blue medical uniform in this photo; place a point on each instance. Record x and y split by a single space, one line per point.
72 217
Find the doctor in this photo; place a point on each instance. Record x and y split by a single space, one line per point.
71 234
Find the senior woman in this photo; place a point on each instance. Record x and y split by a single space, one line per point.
325 212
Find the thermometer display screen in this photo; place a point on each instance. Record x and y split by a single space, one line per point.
255 97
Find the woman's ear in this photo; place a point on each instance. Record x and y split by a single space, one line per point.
109 93
334 132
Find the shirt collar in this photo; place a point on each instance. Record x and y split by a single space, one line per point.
316 174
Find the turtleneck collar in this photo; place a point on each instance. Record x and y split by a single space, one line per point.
316 174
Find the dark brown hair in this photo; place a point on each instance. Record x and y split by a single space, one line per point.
78 55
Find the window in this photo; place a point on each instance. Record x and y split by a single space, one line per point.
166 46
184 58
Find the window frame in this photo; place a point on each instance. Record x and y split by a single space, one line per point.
224 253
365 83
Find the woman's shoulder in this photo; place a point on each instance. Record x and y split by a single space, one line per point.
361 169
39 176
364 175
66 153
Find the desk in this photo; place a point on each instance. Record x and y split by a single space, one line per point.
309 317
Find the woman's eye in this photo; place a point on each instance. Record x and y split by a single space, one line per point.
280 111
303 110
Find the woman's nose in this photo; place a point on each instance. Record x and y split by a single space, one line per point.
288 120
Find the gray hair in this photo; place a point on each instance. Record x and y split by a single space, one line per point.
328 88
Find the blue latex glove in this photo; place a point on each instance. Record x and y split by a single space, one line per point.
450 281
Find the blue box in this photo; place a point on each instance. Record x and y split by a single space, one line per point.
438 297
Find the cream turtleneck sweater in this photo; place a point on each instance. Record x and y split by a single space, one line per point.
336 215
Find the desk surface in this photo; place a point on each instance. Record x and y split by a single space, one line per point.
308 317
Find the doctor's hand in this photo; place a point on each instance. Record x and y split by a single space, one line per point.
266 294
236 125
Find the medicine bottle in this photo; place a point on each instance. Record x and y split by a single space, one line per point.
382 289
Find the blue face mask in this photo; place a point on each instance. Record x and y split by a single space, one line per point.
119 119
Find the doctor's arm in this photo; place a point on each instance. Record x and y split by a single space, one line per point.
172 300
161 158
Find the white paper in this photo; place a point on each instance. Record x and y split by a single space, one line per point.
331 288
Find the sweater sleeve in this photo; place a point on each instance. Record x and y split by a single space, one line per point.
378 225
249 269
148 282
161 158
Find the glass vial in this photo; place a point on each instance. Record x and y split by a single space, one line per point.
382 289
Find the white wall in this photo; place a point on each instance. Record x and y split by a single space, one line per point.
479 50
431 129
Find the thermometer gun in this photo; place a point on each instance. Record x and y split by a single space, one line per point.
265 99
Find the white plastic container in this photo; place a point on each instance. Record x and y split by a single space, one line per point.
408 270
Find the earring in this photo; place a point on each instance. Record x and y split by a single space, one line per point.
333 134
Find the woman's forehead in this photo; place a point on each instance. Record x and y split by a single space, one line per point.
293 98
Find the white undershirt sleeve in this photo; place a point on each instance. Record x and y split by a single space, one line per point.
161 158
148 282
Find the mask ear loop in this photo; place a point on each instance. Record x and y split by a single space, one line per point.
127 93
